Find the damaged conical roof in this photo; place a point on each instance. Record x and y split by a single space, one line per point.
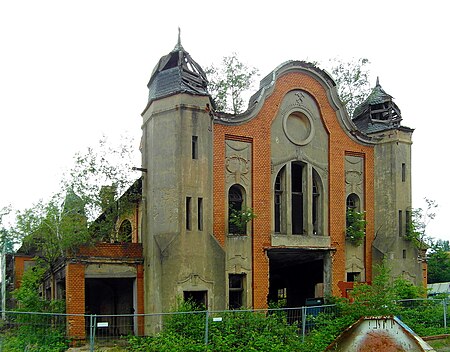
176 73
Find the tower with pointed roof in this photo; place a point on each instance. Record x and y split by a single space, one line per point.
380 118
183 260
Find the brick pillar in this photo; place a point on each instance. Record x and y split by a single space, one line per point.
75 301
140 298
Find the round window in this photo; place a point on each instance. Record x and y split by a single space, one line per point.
298 127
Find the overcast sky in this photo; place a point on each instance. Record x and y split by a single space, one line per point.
71 71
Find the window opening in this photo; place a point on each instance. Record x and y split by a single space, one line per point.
125 231
194 147
278 200
235 202
315 205
354 276
297 198
403 172
352 205
353 202
200 214
198 298
188 213
404 254
236 291
400 222
281 294
408 222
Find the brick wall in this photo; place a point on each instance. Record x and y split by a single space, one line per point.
112 250
258 129
19 268
75 300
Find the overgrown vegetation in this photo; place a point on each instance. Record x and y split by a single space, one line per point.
228 82
352 80
240 218
30 331
237 331
255 331
356 226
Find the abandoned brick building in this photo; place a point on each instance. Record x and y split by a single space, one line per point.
294 158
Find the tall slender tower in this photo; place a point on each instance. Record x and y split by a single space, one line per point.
182 258
379 117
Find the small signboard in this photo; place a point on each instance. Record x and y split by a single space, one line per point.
217 319
103 324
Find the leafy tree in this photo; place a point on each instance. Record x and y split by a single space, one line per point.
442 244
232 78
7 239
352 79
52 230
228 82
417 231
439 262
102 173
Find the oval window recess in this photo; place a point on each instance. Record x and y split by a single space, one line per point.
298 127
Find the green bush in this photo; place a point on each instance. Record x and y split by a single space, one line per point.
237 331
34 339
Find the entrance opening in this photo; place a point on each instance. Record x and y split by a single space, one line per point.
110 297
295 276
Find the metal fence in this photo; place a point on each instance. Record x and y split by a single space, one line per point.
27 330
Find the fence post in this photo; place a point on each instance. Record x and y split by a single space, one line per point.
206 327
303 323
92 323
444 302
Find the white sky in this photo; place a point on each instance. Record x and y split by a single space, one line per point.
71 71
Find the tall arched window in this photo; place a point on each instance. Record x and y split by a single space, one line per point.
298 200
278 201
235 204
297 197
316 203
125 231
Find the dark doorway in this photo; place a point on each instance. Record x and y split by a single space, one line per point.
111 297
295 275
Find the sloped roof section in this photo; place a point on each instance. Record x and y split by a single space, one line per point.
176 73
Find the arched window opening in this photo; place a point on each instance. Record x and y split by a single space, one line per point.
278 200
125 231
352 205
297 198
316 208
353 202
235 204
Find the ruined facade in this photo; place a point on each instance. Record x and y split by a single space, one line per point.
298 161
294 159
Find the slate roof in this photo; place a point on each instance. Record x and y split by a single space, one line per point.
176 73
